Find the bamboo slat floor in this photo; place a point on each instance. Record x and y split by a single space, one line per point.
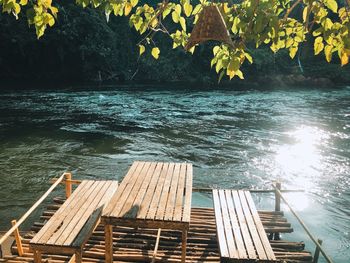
137 245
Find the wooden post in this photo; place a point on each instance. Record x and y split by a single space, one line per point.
317 251
18 239
184 245
68 178
109 243
37 256
277 205
79 256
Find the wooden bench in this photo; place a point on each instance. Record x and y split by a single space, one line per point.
70 227
240 233
152 194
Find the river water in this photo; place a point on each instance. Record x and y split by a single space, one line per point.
234 138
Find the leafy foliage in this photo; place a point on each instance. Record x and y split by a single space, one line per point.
277 24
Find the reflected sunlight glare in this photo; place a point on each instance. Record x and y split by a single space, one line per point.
300 162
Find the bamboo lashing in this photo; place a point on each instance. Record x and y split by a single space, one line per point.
24 217
210 26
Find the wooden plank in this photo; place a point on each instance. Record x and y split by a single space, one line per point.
188 194
55 221
150 192
243 226
252 228
126 190
109 208
94 204
165 192
180 193
88 228
231 244
141 194
169 211
156 196
82 216
75 211
260 227
128 205
223 246
242 253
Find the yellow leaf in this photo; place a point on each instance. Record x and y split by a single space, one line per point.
318 45
155 52
215 50
183 23
127 8
328 52
230 73
240 74
134 2
178 9
344 59
249 58
191 50
332 5
292 51
154 22
23 2
305 11
175 16
197 9
187 8
142 49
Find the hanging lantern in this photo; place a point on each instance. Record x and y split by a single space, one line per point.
210 26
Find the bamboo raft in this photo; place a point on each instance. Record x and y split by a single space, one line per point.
137 245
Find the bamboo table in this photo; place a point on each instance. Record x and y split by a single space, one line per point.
155 195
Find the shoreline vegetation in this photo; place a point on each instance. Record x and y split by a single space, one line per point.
84 48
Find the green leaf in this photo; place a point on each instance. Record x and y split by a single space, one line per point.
332 5
234 64
142 49
318 45
183 23
155 52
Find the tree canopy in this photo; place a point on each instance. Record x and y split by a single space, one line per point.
278 24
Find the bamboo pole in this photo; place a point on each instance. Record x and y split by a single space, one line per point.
156 246
277 205
263 191
24 217
73 181
318 245
68 178
18 239
317 252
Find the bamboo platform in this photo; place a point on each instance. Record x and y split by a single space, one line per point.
137 245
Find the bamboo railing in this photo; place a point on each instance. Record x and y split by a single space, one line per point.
64 178
317 242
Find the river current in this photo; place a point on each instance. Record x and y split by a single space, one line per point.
234 138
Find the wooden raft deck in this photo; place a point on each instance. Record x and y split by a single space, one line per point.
136 245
